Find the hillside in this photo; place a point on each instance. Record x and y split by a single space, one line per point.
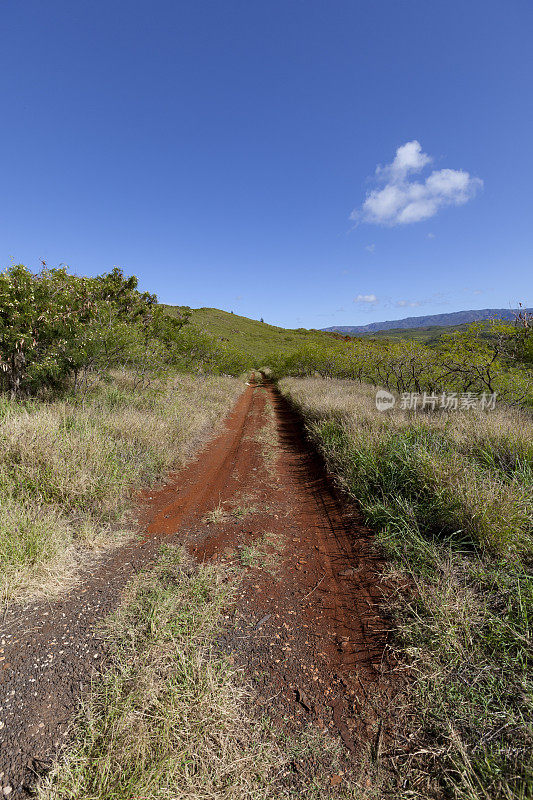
257 339
260 340
454 319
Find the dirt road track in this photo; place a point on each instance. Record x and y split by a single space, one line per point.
306 628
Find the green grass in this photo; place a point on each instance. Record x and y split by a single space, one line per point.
449 496
256 339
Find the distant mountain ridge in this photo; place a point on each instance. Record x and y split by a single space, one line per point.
455 318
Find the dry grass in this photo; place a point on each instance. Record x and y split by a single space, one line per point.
167 718
244 510
68 468
267 438
216 516
449 496
219 514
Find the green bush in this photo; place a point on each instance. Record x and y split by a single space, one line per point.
55 326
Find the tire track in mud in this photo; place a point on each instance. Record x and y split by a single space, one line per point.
309 625
202 480
344 545
321 637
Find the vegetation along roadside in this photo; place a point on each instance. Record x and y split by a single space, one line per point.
95 405
449 495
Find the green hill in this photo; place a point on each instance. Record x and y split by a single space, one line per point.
259 340
250 336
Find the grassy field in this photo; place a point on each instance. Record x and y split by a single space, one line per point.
450 497
68 468
257 339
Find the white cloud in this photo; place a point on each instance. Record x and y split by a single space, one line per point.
408 303
366 298
409 158
370 248
403 200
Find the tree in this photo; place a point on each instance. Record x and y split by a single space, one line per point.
55 326
39 318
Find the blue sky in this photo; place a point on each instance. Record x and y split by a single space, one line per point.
225 151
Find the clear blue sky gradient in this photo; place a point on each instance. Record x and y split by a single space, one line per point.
216 148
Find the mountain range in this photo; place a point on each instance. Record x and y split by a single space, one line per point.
455 318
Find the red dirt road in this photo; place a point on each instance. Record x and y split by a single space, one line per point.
306 628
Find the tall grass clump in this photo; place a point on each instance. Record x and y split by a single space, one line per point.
69 467
167 719
449 495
